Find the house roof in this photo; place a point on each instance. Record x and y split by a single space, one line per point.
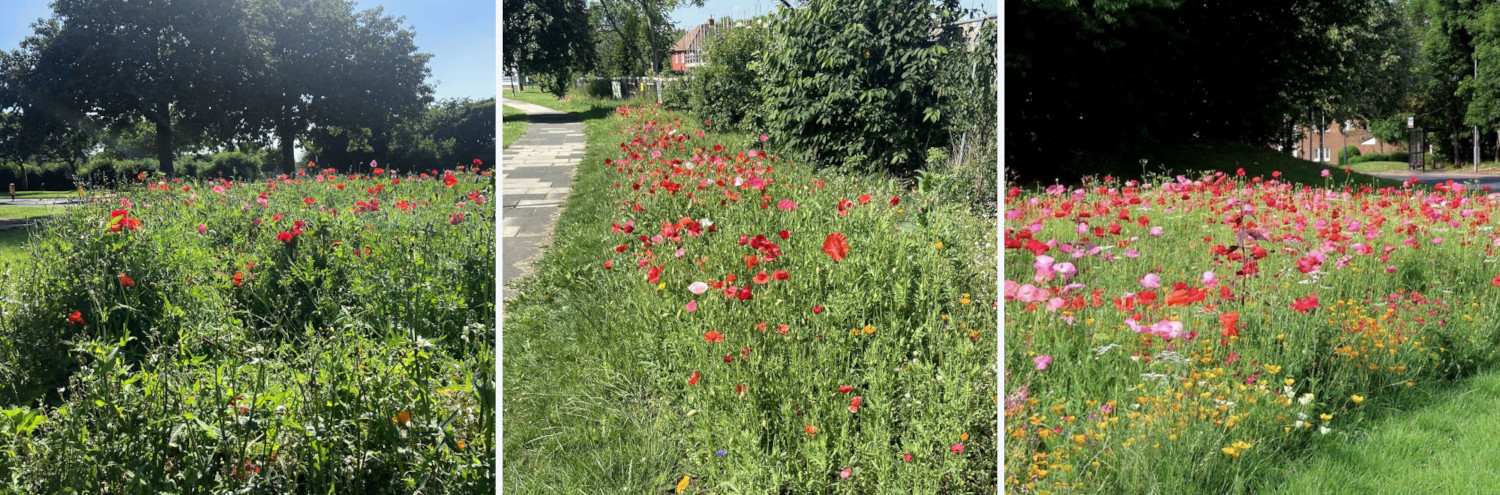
693 40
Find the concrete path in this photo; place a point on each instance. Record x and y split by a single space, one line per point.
535 177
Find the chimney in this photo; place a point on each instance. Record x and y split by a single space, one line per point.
710 20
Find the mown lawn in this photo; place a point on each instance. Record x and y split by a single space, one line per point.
24 212
514 124
1437 440
12 247
618 376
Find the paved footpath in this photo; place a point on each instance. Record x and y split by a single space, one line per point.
535 177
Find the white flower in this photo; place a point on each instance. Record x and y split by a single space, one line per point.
1305 399
1324 429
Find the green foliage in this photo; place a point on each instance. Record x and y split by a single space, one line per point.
677 95
1132 75
969 89
1348 153
109 172
855 77
356 356
548 39
599 88
727 90
1394 156
230 165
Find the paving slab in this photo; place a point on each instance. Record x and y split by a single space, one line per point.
536 175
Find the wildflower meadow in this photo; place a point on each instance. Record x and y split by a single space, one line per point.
714 318
309 333
1202 334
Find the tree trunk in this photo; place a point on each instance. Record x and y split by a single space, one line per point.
651 39
288 138
164 153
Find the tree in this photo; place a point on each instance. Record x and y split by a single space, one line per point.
853 81
321 63
1132 75
548 37
173 63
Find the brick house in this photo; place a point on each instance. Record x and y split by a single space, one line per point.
1333 140
688 52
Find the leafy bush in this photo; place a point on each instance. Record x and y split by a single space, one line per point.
968 94
855 77
676 95
1348 153
33 177
294 336
726 89
599 88
1395 156
109 172
229 165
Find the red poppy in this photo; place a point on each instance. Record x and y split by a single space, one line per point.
836 246
694 379
762 277
729 358
1495 281
744 294
621 248
854 404
846 389
456 218
76 317
780 275
239 278
811 430
1229 323
284 237
126 281
1183 297
449 180
895 200
818 309
713 336
654 275
739 389
785 234
751 261
1306 304
782 329
609 264
864 199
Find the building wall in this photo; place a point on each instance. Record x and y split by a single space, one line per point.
1333 141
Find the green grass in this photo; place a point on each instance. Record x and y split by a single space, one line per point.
24 212
1385 167
13 247
596 361
514 127
1435 441
1228 157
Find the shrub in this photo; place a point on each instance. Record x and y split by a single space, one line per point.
1348 153
676 95
725 90
968 97
109 172
599 88
845 77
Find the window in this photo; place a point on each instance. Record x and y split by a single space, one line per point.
1370 142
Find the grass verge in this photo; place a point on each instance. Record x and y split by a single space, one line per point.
514 125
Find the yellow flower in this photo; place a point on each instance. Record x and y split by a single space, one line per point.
1326 417
940 244
964 437
682 485
1290 381
661 286
869 329
402 417
1357 399
462 445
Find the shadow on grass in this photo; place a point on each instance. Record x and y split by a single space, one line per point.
1435 438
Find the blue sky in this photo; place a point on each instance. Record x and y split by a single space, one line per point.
460 34
690 17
